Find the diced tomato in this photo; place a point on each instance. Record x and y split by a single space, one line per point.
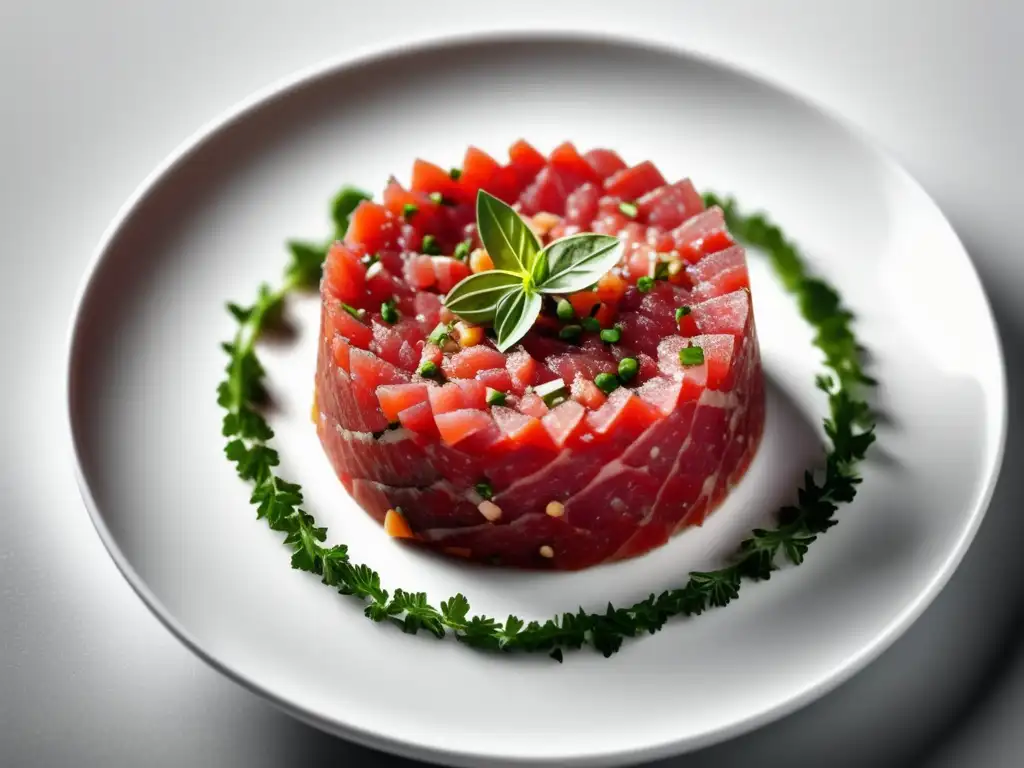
372 226
583 302
470 361
588 394
419 419
357 334
714 242
605 162
562 420
394 398
522 369
533 404
610 288
521 430
448 272
581 205
427 219
496 378
371 371
546 193
380 287
344 275
456 426
662 393
639 263
669 206
575 170
446 398
474 393
419 272
526 161
427 305
427 178
632 183
504 184
698 227
431 353
622 411
477 169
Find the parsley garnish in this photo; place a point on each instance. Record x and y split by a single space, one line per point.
849 428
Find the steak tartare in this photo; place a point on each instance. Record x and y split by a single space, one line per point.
625 413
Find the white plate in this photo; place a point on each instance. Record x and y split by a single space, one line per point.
210 224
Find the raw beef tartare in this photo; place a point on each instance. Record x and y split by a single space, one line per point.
623 415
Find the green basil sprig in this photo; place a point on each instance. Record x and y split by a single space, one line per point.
509 296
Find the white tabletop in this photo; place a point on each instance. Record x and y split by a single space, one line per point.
95 94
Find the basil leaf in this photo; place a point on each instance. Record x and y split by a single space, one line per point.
476 297
511 244
579 261
515 315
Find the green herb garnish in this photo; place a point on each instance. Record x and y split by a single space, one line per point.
428 370
552 392
409 210
358 314
570 332
509 296
461 251
682 312
565 311
606 382
495 397
388 312
591 324
644 284
691 355
485 490
430 246
611 335
628 368
849 428
628 209
441 333
455 174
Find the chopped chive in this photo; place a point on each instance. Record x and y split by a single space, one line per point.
455 174
644 284
628 209
552 392
570 332
611 335
565 311
462 250
409 210
682 312
430 246
440 334
358 314
495 397
661 270
628 367
484 489
388 313
606 382
691 355
591 324
428 370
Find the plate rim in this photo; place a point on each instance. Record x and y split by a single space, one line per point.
419 44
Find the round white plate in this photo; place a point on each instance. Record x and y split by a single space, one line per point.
210 225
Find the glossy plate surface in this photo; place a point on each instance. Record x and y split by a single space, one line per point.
210 224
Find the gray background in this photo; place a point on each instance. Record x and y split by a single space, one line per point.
94 95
